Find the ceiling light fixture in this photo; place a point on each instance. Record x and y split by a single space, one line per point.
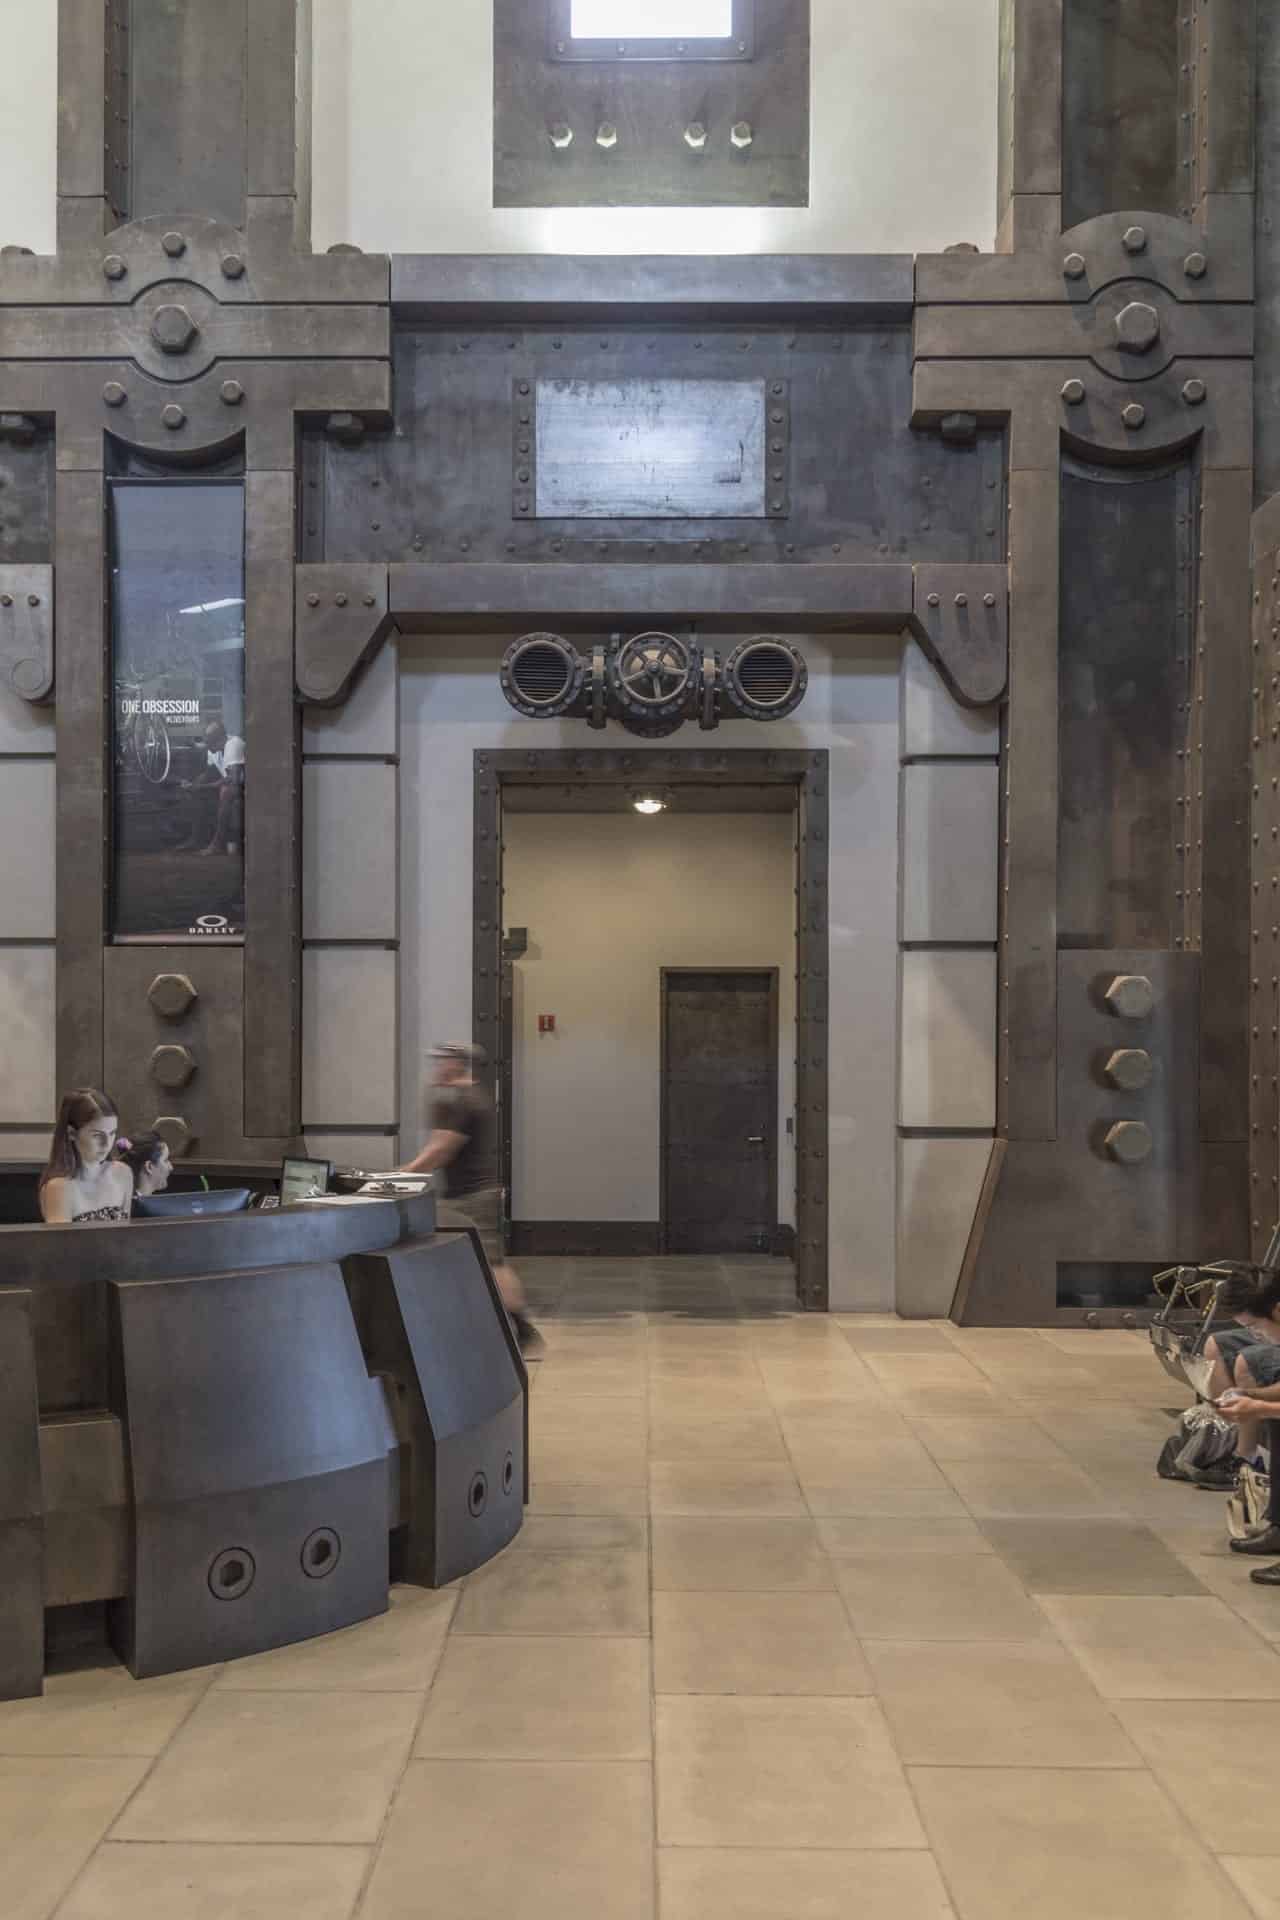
651 801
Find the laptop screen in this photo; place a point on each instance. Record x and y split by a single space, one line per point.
303 1180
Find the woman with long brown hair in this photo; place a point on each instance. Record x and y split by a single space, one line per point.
83 1181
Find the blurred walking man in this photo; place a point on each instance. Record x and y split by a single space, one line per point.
462 1146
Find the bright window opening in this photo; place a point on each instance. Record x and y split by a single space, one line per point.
651 19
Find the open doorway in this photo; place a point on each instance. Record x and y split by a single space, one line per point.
612 981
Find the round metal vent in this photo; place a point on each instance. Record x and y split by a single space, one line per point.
653 676
765 678
542 675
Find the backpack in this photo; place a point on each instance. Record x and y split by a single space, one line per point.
1199 1449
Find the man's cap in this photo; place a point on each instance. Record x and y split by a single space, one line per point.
460 1050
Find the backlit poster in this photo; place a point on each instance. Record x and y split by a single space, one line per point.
179 764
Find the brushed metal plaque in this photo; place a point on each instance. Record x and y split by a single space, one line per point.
654 450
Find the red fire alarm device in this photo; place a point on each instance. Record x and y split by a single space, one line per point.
546 1023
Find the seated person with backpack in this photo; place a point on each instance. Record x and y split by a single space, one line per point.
1257 1331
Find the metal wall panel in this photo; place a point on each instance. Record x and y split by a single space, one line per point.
349 1037
949 853
188 145
947 1072
1120 107
212 1100
350 851
28 910
24 728
939 1184
368 721
27 1088
932 719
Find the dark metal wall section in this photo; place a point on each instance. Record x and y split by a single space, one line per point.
191 1437
184 193
1121 342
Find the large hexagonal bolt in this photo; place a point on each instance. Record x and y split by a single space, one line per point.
1129 1068
175 1133
1131 995
606 135
171 1067
172 994
173 329
1137 327
741 134
560 134
1128 1141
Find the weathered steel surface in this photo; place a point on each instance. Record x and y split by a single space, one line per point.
341 620
477 596
859 484
80 560
526 287
643 159
26 630
962 622
86 1508
1264 915
188 141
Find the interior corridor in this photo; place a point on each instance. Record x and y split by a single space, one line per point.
811 1616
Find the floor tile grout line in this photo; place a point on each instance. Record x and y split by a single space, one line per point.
375 1849
120 1812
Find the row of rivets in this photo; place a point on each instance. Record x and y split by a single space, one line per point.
231 393
115 268
6 599
343 599
1195 266
1134 415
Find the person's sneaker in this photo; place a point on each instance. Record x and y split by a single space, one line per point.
532 1344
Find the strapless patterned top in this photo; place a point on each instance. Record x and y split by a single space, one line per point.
99 1213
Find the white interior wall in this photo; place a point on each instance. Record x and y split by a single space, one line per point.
28 123
609 900
903 139
451 707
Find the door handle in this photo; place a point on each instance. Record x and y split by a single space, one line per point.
755 1139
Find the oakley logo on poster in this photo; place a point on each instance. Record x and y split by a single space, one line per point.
209 925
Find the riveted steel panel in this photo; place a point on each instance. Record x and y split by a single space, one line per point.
932 721
81 98
807 286
82 776
962 620
212 1028
26 631
641 109
26 483
340 616
868 490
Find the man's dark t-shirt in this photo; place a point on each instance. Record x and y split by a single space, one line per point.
470 1112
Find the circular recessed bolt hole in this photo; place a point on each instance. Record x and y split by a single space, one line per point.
232 393
741 134
508 1474
1128 1141
477 1496
232 266
1131 995
114 394
321 1552
114 268
1193 392
174 245
1195 266
231 1573
1134 416
1073 392
560 134
695 136
1073 266
606 135
173 416
1135 239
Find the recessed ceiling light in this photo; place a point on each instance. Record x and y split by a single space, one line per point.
650 803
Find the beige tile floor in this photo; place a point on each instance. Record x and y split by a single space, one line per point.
810 1618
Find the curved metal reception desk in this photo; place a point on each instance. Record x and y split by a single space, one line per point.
230 1429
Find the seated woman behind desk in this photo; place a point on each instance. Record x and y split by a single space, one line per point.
147 1158
83 1182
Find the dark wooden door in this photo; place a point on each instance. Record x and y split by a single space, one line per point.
719 1110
